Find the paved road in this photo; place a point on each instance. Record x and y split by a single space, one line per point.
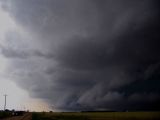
27 116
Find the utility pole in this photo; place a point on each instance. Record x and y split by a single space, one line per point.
5 101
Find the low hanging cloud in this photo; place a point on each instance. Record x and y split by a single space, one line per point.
15 47
100 54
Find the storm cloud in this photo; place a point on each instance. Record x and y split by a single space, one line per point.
88 54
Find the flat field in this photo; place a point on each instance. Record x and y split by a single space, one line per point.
97 116
4 114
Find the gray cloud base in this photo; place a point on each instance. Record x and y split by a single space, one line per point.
101 54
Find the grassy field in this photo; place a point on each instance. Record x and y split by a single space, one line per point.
98 116
4 114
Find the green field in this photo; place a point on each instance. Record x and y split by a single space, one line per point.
4 114
98 116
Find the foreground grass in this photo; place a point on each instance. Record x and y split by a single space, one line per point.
4 114
98 116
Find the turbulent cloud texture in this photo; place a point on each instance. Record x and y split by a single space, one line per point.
87 54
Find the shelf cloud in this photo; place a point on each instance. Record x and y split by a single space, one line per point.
87 54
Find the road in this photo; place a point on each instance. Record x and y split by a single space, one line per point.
27 116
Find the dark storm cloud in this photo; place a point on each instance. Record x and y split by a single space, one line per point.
16 53
103 54
15 47
9 53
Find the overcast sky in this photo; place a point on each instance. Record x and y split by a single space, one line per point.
81 54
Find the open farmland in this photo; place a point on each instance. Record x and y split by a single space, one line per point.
4 114
98 116
26 116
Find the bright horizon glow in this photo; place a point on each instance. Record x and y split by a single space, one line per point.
19 99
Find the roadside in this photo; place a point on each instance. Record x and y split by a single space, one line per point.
27 116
